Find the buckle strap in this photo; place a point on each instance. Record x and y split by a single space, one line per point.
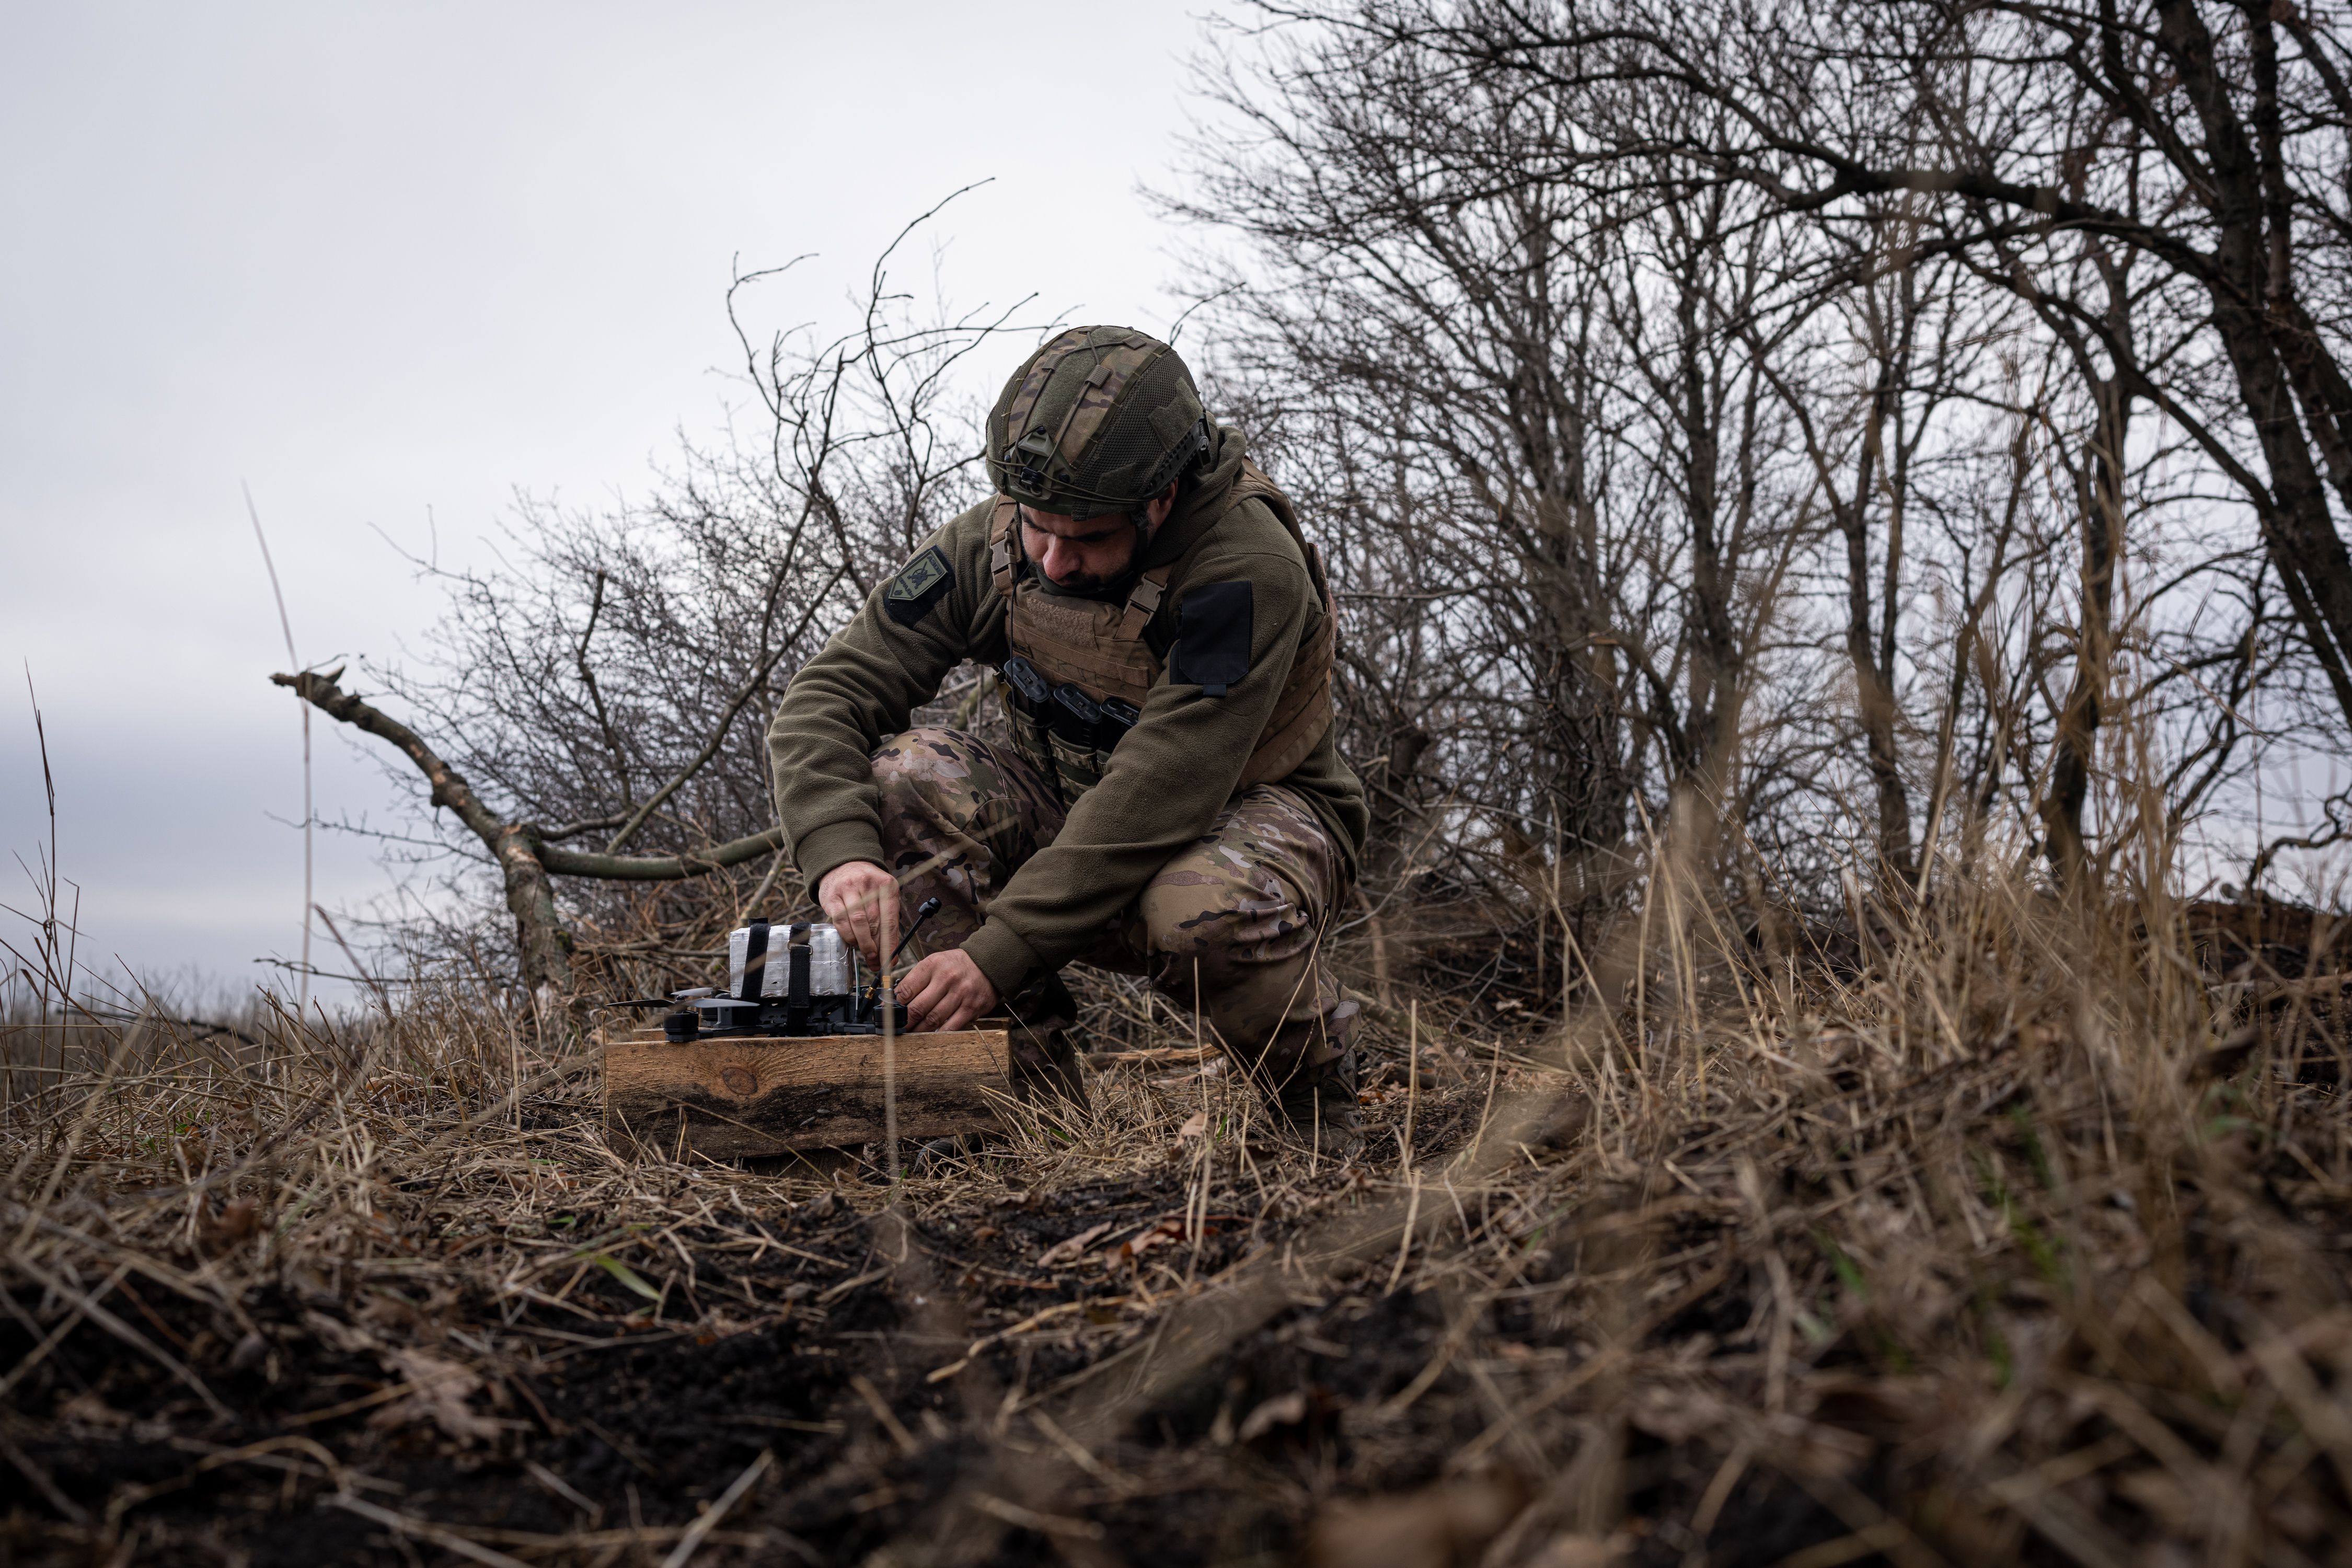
1001 559
1143 602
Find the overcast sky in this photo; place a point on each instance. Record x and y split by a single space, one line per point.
392 261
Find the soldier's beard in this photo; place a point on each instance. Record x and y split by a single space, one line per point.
1089 584
1099 585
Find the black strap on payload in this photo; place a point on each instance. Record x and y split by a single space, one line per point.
755 961
796 984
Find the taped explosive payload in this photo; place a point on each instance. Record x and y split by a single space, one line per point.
784 981
802 982
802 1050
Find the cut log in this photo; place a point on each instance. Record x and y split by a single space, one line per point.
728 1099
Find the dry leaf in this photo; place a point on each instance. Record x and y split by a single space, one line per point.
1282 1410
1195 1126
1434 1528
439 1389
237 1220
1579 1551
1073 1247
1135 1247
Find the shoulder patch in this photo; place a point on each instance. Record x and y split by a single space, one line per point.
920 584
1213 635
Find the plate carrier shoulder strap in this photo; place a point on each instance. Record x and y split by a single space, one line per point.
1100 648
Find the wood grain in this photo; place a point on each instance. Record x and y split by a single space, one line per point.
746 1097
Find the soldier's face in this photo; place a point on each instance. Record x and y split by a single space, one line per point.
1088 557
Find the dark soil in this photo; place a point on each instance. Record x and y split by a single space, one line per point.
645 1416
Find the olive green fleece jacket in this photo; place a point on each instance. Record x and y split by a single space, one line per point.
1170 777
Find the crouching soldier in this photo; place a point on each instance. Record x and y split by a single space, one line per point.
1172 803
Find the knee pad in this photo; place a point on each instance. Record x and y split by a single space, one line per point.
906 766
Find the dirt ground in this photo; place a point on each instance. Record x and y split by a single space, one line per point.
590 1422
1810 1294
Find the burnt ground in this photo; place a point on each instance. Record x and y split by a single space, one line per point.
2008 1304
593 1424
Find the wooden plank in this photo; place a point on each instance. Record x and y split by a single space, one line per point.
761 1096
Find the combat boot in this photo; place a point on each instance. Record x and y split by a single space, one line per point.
1045 1062
1319 1101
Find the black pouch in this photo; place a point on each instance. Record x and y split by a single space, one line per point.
1117 717
1026 688
1072 726
1031 704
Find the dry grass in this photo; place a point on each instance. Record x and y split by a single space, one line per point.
2011 1249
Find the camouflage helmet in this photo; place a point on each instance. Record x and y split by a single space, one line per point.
1096 421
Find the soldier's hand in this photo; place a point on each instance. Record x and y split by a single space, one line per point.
862 899
945 991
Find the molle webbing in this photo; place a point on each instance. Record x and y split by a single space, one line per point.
1100 648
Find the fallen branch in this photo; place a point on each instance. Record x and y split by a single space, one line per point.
525 859
659 867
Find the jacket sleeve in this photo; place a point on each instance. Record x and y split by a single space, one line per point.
859 690
1167 780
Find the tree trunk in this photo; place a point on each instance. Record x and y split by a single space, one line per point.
1873 680
2253 312
2100 500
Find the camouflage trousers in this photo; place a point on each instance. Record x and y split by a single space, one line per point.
1240 912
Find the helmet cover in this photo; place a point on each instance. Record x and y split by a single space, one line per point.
1099 420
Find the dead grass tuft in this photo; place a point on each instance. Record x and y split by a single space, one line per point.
2026 1242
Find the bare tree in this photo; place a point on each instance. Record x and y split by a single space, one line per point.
593 682
1807 425
1536 414
1857 277
2243 204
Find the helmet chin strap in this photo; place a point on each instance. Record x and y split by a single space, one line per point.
1140 516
